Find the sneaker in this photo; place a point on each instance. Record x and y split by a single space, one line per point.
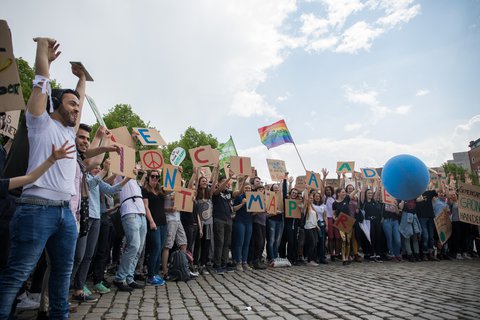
194 274
246 267
467 256
312 264
136 285
87 291
82 297
106 284
219 270
26 303
204 271
100 288
155 281
459 256
122 286
230 268
239 267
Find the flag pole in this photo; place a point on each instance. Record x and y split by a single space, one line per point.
303 164
234 147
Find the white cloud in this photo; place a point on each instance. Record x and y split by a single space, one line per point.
283 98
369 98
471 128
352 126
332 32
250 103
422 92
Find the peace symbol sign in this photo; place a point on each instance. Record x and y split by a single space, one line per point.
153 160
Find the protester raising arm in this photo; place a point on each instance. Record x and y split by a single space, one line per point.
81 84
57 154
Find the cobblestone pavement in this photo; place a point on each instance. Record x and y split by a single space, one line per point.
424 290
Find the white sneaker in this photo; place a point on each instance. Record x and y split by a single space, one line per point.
193 274
459 256
312 264
467 256
27 304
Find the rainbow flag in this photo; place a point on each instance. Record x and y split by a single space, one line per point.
275 134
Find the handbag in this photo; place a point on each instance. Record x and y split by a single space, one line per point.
84 207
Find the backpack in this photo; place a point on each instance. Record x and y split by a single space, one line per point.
178 269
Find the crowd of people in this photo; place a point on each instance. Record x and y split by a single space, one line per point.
74 220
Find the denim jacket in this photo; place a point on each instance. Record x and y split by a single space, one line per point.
409 225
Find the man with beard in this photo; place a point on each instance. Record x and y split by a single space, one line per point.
43 218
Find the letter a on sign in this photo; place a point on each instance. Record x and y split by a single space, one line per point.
313 180
271 202
345 166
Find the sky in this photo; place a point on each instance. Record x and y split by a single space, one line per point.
354 80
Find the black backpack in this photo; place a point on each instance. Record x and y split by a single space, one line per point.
178 269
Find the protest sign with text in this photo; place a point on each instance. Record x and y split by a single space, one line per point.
201 156
292 209
149 137
344 223
184 200
9 123
241 166
345 166
277 169
469 203
443 225
123 164
255 201
172 178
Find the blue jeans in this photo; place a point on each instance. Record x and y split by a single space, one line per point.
33 228
242 233
156 241
428 229
390 227
274 236
135 228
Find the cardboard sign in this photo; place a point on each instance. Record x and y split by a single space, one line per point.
277 169
152 159
149 137
241 166
177 156
215 154
469 203
201 156
313 180
292 209
95 110
273 202
122 136
11 96
255 201
301 183
172 178
184 200
206 172
387 198
123 164
369 173
443 225
344 222
345 166
9 123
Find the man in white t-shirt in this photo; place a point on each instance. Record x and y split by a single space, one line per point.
134 224
43 218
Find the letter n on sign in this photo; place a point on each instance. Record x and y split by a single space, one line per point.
172 178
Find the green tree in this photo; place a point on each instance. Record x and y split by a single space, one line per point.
459 173
190 139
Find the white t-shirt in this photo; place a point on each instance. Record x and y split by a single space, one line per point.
58 182
130 189
319 210
328 206
169 203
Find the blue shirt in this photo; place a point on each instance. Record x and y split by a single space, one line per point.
95 186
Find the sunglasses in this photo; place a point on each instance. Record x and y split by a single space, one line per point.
154 176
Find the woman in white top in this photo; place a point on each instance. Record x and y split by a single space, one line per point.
311 228
322 222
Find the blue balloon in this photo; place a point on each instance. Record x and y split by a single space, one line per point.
405 177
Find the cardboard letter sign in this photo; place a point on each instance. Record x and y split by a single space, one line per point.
313 180
123 164
149 137
255 201
277 169
469 203
11 96
241 166
443 225
272 202
301 183
369 173
152 159
184 200
344 222
387 198
122 136
172 178
201 156
292 209
9 123
345 166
